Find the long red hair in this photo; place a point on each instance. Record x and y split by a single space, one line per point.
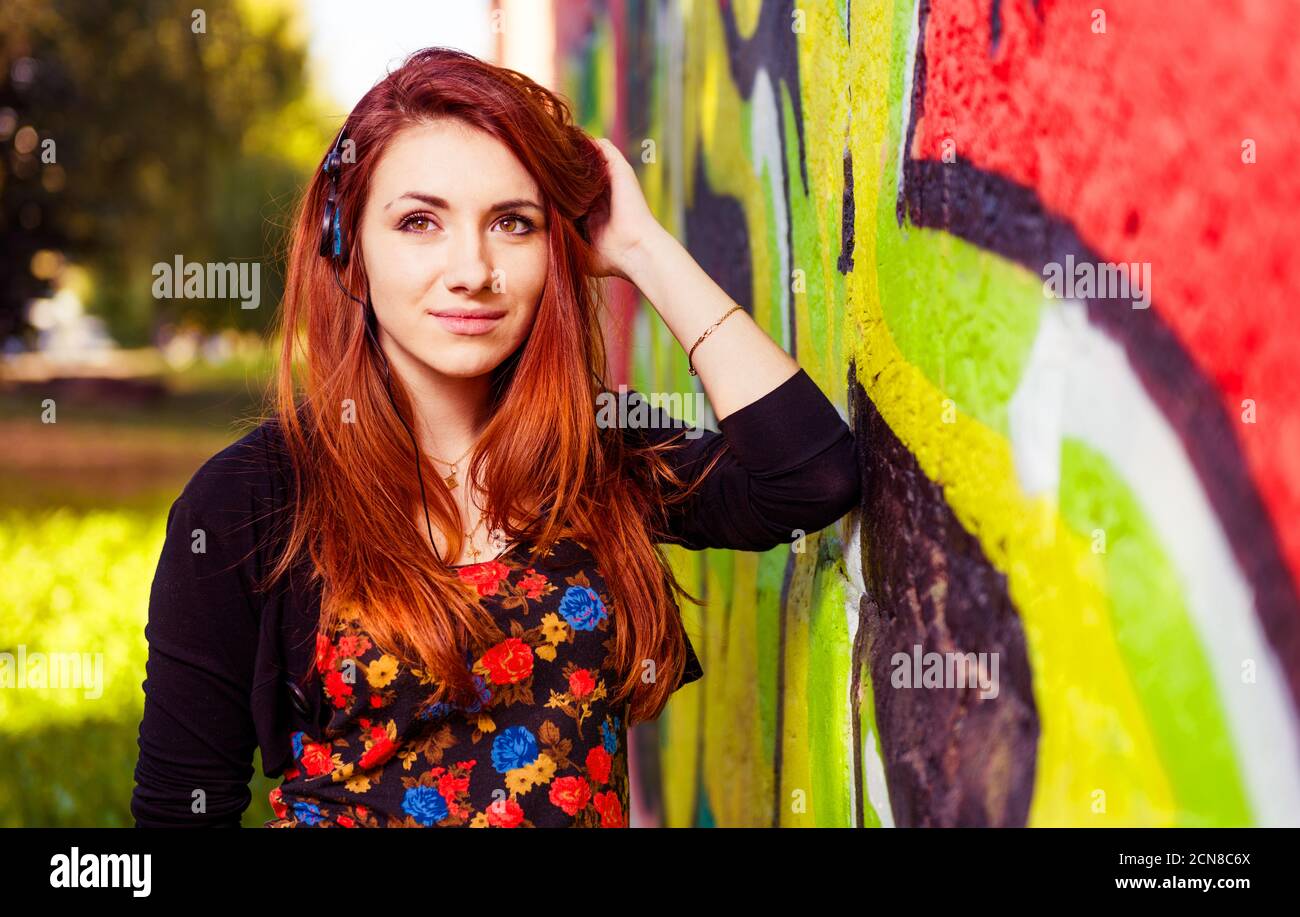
547 461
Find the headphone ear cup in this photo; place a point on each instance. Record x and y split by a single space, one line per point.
340 246
327 230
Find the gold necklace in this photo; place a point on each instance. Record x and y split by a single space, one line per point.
450 480
469 536
496 538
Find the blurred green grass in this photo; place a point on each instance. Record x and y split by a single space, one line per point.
83 507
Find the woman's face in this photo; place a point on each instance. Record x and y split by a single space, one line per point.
454 243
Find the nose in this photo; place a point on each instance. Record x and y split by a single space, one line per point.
467 270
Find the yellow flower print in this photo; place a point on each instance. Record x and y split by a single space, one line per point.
382 671
359 783
519 780
554 629
523 779
544 767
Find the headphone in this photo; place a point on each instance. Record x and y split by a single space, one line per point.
331 230
334 248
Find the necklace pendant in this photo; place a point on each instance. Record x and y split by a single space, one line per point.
450 481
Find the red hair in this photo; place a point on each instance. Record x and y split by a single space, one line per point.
547 462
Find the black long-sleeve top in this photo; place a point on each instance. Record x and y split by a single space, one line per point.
220 676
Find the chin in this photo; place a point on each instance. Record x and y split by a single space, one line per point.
468 366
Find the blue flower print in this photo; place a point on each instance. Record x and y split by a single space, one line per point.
582 608
425 804
609 735
484 695
297 745
442 708
514 748
434 711
307 812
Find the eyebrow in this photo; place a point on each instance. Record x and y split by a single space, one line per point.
433 200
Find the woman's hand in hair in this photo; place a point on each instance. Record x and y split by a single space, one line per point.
617 225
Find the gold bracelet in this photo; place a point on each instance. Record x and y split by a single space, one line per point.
709 331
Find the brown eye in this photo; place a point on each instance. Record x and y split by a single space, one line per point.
417 223
523 222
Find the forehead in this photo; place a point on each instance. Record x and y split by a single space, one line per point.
450 159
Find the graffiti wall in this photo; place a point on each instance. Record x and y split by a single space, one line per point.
1037 252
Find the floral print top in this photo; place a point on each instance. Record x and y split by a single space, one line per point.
543 746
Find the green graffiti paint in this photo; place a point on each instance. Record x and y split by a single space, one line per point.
966 318
827 690
1158 643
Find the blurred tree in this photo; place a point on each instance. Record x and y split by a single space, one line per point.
133 132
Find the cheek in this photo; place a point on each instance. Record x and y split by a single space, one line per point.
523 273
398 273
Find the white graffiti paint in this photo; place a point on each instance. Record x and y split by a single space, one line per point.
877 787
1078 383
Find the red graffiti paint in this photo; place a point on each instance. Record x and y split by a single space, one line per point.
1134 136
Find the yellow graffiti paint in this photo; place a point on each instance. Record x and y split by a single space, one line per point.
1097 762
712 116
796 802
681 738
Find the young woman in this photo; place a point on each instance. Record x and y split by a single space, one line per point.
428 585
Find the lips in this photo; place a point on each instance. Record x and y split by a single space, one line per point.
468 321
468 313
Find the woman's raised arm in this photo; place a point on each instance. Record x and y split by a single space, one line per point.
788 465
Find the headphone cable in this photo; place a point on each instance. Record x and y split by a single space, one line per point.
365 318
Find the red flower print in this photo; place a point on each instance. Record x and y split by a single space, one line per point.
610 809
533 583
352 646
581 683
362 810
451 786
598 763
509 661
346 821
338 690
485 576
278 805
382 749
504 813
570 794
324 652
316 759
376 700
